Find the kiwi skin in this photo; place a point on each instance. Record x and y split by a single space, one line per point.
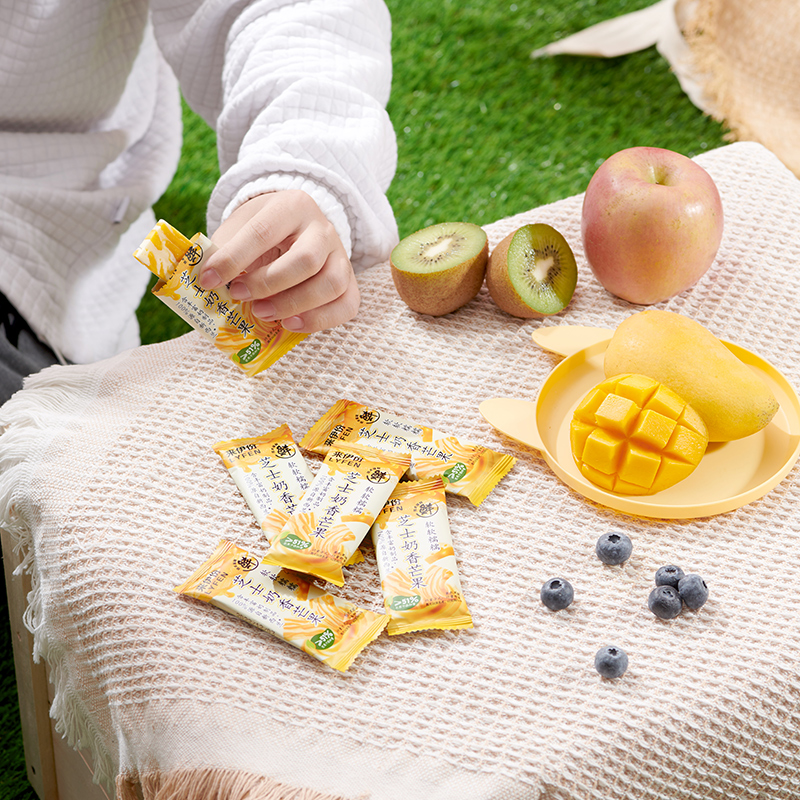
500 287
438 293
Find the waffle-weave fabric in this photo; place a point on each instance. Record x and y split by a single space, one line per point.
112 489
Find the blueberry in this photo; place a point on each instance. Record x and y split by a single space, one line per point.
665 602
611 662
668 575
693 591
613 548
557 594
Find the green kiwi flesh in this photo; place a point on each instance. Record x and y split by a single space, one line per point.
440 268
532 272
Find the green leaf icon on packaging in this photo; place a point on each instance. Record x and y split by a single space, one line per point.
247 354
323 640
294 542
403 603
454 473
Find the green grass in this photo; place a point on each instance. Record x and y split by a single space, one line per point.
483 132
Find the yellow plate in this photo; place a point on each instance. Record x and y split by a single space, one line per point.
730 475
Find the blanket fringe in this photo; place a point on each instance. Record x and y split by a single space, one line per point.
212 784
28 424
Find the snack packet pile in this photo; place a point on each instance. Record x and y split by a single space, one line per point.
337 511
381 475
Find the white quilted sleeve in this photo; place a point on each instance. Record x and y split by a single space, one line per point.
296 92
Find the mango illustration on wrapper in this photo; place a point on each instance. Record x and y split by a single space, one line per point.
417 562
251 343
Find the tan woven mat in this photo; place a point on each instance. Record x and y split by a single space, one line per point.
111 486
746 54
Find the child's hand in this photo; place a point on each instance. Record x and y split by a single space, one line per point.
280 251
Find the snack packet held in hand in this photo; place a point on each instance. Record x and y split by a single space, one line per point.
248 341
466 468
337 510
416 560
284 604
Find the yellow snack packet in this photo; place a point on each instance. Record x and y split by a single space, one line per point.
466 468
337 510
248 341
163 248
282 603
416 560
271 475
270 472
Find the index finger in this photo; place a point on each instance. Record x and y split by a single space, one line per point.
257 235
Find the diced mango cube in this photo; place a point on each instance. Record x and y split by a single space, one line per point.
692 420
617 414
686 445
600 478
622 487
578 433
590 404
640 466
603 450
666 402
653 429
672 471
638 388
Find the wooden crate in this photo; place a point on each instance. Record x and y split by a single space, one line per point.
55 770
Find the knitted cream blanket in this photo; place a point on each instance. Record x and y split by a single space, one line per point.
111 488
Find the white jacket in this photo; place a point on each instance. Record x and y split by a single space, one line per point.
90 137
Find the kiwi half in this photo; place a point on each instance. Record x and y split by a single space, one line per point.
440 268
532 272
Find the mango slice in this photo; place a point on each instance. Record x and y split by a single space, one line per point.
632 435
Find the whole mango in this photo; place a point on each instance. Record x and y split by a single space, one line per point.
679 352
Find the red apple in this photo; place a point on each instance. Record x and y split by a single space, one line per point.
651 223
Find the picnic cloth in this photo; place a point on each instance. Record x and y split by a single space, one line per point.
737 60
111 488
